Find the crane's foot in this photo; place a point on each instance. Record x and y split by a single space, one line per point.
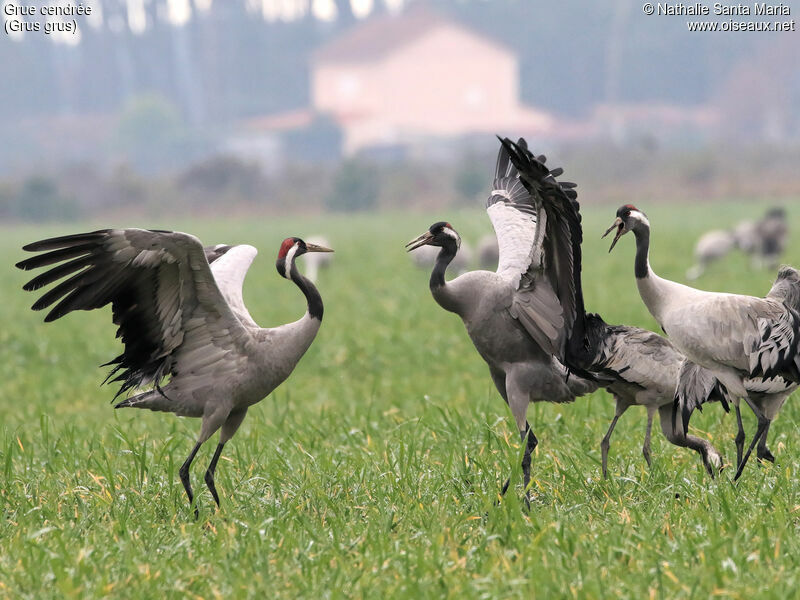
765 454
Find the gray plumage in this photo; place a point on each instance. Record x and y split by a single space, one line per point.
773 233
746 236
763 240
186 332
736 337
768 394
712 246
641 368
520 318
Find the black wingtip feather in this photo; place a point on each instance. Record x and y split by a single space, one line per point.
65 241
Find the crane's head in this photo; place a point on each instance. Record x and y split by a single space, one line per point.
628 217
290 249
438 234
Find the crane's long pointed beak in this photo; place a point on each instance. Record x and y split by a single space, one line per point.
422 240
316 248
620 227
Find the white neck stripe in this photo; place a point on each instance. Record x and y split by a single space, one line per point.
287 265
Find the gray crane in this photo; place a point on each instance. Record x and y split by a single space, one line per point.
769 394
182 319
712 246
488 252
640 367
521 317
736 337
317 262
773 232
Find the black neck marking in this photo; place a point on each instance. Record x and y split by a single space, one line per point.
445 256
642 249
313 298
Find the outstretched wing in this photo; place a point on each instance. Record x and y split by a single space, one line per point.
230 268
539 234
164 298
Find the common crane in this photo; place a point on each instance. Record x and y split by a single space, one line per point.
736 337
488 252
640 367
520 318
182 321
318 260
773 232
712 246
768 394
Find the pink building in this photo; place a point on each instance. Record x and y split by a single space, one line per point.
404 80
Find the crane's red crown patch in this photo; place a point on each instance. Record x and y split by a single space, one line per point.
286 246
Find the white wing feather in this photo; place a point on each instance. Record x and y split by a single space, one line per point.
229 272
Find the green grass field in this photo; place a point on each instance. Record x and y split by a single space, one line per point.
374 470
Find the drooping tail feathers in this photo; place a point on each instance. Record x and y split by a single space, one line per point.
696 386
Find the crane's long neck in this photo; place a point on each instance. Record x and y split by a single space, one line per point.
314 300
655 291
439 288
641 264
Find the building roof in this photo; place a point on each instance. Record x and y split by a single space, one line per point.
381 35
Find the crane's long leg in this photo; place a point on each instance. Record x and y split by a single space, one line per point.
228 429
530 441
762 452
499 379
184 473
739 436
763 424
711 458
518 400
651 410
620 409
210 472
211 422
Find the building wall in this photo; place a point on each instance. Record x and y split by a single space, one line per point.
443 83
447 82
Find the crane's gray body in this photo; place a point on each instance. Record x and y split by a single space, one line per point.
521 317
738 338
186 332
225 362
642 368
522 371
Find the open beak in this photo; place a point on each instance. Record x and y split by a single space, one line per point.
316 248
620 225
422 240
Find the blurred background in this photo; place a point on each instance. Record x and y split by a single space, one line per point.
159 107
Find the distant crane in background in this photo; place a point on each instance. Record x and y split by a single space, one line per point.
764 241
736 337
488 252
318 260
520 318
180 318
773 232
712 246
